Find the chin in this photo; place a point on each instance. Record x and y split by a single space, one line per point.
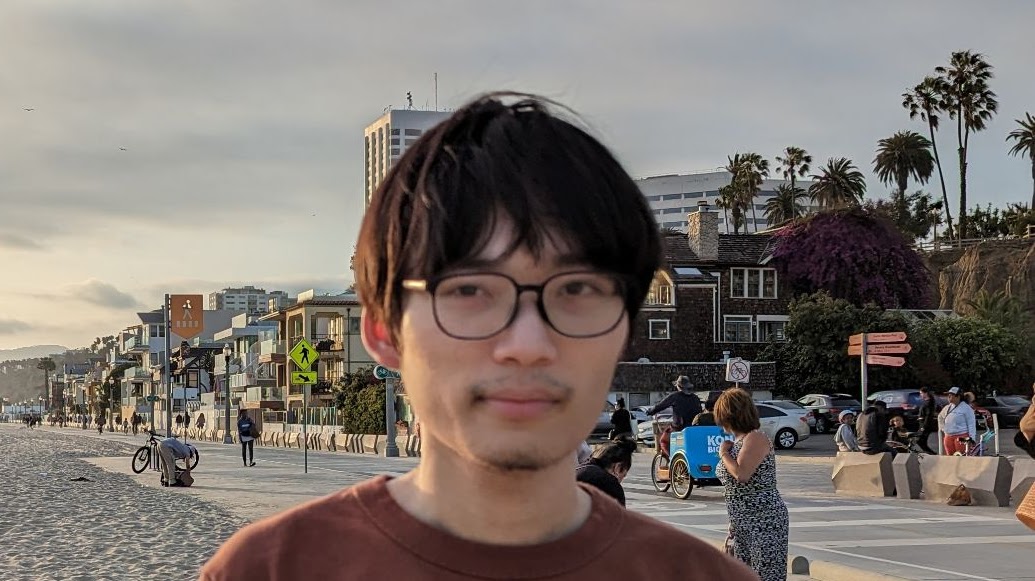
518 456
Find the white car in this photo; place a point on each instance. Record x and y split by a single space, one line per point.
793 408
784 427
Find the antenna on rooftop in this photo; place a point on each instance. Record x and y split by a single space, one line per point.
409 100
436 91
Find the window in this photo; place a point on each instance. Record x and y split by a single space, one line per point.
395 131
765 411
660 293
687 271
653 198
753 283
410 142
672 210
395 151
658 328
737 328
157 330
672 197
674 225
694 195
771 330
353 325
394 141
413 132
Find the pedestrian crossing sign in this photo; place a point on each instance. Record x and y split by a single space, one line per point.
303 355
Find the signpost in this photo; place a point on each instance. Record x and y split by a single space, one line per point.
389 376
185 316
874 345
304 355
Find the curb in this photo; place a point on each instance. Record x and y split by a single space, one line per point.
826 571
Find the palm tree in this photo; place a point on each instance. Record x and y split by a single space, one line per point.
904 154
47 365
795 162
748 171
726 201
924 101
786 205
1025 137
838 184
1000 308
971 103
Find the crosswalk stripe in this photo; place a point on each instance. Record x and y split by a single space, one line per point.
914 542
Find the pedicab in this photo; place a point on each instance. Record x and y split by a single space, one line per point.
689 461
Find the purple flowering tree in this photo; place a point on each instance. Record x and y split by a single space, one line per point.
855 255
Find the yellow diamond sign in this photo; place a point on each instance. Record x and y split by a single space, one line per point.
303 355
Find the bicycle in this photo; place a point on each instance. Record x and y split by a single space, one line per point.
147 455
659 466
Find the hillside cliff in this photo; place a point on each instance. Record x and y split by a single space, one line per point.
999 265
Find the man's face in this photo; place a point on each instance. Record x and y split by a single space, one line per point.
520 400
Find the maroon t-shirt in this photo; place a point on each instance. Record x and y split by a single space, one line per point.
362 533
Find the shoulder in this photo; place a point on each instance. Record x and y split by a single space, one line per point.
292 538
672 548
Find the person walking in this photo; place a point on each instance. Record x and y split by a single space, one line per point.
506 307
244 436
958 421
928 419
608 466
759 521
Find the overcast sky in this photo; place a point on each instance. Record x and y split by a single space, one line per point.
183 146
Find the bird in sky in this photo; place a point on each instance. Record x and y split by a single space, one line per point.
122 149
28 108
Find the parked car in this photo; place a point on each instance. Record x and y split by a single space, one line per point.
793 407
1009 408
784 427
645 429
826 407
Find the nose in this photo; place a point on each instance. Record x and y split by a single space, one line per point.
528 341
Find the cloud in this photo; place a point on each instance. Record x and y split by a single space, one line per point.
13 327
102 294
16 242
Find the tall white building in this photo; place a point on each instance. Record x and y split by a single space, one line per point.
673 196
248 298
387 138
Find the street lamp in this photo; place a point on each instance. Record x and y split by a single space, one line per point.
111 404
227 351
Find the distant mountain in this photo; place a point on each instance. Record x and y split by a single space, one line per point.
31 352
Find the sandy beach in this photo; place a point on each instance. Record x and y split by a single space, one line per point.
108 526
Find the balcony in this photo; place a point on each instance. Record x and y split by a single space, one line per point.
241 381
137 345
272 351
328 342
274 393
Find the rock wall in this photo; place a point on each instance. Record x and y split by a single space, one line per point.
999 265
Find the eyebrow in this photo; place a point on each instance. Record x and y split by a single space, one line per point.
477 263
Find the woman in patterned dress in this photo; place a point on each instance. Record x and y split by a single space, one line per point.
747 469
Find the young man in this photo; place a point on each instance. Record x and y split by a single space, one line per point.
928 419
871 429
500 265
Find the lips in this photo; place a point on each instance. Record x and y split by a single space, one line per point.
519 406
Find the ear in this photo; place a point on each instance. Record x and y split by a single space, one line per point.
378 341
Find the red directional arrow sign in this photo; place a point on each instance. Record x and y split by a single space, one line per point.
885 360
894 337
880 348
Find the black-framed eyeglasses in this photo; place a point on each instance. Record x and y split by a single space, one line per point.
480 305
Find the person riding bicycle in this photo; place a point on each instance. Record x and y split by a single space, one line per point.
171 450
685 406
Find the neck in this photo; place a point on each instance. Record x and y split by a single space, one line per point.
480 503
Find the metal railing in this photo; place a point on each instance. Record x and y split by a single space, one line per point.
942 245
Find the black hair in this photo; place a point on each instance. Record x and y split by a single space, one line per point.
617 452
440 203
620 404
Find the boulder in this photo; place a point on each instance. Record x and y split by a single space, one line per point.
906 468
858 474
1023 479
988 478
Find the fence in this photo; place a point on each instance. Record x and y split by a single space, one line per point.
943 245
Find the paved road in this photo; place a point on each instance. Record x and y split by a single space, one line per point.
908 539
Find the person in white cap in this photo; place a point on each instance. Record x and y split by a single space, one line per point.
845 437
958 421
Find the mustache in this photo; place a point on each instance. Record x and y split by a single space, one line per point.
538 383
